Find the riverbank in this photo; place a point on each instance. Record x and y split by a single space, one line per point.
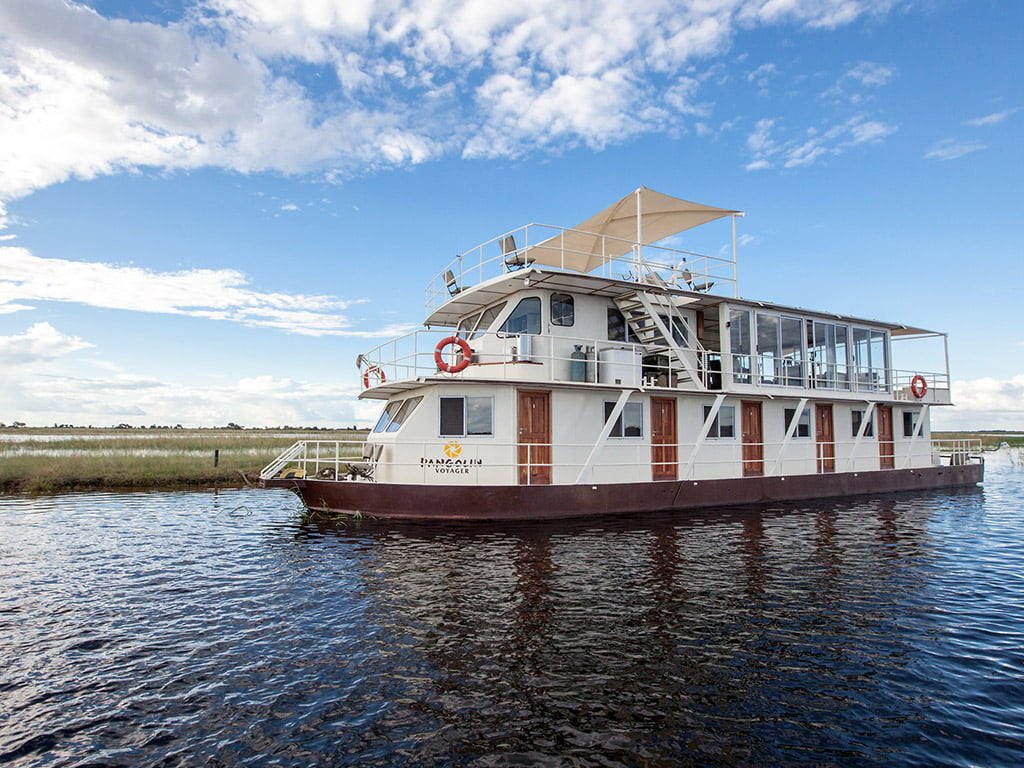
37 460
53 460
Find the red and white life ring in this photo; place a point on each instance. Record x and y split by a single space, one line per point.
374 372
467 353
918 386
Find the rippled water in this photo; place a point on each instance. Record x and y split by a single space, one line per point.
217 629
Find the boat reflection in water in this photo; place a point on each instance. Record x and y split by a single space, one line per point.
182 628
745 635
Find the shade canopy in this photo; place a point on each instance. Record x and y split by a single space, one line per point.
643 216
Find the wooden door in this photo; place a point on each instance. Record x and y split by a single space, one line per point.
534 420
664 453
753 440
825 434
886 453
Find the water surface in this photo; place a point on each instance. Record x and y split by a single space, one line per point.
218 629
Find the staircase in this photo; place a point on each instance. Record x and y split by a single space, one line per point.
651 318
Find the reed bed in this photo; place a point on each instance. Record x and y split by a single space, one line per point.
41 461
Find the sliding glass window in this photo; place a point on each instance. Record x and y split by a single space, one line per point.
870 366
739 344
827 354
780 350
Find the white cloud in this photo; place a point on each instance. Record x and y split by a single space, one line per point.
215 294
263 401
993 119
986 403
229 84
952 149
814 145
41 343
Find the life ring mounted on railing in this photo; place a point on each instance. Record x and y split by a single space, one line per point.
918 386
467 354
374 373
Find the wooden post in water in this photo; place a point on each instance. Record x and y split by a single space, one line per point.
216 456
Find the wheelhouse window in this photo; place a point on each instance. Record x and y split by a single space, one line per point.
869 360
390 410
466 416
724 423
858 419
828 349
477 324
803 424
780 350
909 423
618 328
563 311
630 422
739 344
525 318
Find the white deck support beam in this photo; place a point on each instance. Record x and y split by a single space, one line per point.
687 472
917 433
790 431
670 341
602 437
868 415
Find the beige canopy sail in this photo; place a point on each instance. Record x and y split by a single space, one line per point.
643 216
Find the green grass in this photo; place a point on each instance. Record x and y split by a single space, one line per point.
989 440
43 460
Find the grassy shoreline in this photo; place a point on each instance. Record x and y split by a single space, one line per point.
36 460
40 460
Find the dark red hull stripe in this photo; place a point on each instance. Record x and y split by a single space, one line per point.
541 502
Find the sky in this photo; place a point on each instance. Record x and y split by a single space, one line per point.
209 208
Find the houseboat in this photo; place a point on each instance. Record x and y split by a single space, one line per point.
596 370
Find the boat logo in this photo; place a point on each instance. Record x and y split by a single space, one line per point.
452 449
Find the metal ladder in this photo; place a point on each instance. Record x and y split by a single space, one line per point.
643 311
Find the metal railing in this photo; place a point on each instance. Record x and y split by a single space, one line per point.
502 357
652 264
330 459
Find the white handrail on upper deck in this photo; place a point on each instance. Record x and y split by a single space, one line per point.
683 269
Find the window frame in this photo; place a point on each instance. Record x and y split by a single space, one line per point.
857 418
528 332
803 430
716 428
622 423
566 299
465 416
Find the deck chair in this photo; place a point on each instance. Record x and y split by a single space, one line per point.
687 276
365 468
514 258
451 284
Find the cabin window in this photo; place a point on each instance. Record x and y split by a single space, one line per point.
909 423
724 424
525 318
618 328
395 414
828 347
466 416
408 406
390 410
486 318
563 311
630 422
780 350
869 360
739 344
466 326
858 419
803 424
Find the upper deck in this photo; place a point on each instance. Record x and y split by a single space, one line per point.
588 306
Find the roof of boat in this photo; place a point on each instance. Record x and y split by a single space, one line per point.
477 297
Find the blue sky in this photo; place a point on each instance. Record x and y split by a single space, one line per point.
209 208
